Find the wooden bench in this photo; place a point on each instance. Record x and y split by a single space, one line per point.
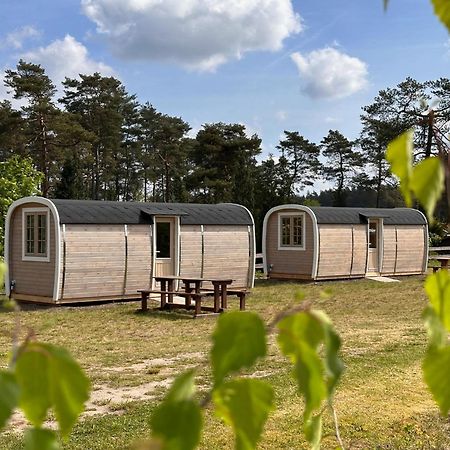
196 296
439 250
240 293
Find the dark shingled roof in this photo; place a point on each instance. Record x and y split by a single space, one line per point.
391 216
107 212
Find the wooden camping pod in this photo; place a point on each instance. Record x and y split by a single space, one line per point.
68 251
330 243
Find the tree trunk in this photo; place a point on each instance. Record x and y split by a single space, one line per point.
379 183
447 184
167 194
430 134
145 184
44 156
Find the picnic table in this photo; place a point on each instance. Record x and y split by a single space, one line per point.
192 291
442 259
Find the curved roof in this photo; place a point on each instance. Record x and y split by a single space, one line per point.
110 212
390 216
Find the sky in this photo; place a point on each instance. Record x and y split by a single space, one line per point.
272 65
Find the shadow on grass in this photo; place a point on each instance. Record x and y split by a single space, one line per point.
163 314
271 282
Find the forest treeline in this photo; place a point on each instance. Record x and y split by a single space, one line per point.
97 141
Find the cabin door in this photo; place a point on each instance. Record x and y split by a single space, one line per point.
373 264
164 246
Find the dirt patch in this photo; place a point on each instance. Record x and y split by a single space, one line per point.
105 399
155 362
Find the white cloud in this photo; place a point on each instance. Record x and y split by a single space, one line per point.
329 73
281 115
16 38
3 89
66 58
197 34
5 95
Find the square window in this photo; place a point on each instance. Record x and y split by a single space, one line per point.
36 232
291 231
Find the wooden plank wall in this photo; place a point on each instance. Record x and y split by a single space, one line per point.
95 261
335 250
289 262
227 253
342 251
32 277
410 249
139 265
389 250
95 258
191 251
359 250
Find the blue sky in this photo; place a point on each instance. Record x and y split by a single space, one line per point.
272 65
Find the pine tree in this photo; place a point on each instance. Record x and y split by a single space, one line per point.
299 160
341 162
30 82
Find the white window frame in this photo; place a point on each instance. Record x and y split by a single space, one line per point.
26 257
172 220
289 215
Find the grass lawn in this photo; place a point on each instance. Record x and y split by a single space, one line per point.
131 358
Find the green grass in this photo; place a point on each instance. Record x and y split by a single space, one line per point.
131 358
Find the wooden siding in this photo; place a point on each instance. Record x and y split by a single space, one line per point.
335 251
95 261
359 250
139 264
34 278
342 251
410 249
289 262
191 251
389 249
227 253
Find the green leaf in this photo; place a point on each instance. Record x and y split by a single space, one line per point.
313 431
301 337
436 369
309 373
69 388
399 154
244 404
9 396
427 183
50 378
437 334
333 363
442 10
238 340
40 439
437 287
33 377
177 421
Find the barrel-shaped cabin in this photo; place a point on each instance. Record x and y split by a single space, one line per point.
68 251
319 243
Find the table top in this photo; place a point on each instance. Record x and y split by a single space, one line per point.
192 279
